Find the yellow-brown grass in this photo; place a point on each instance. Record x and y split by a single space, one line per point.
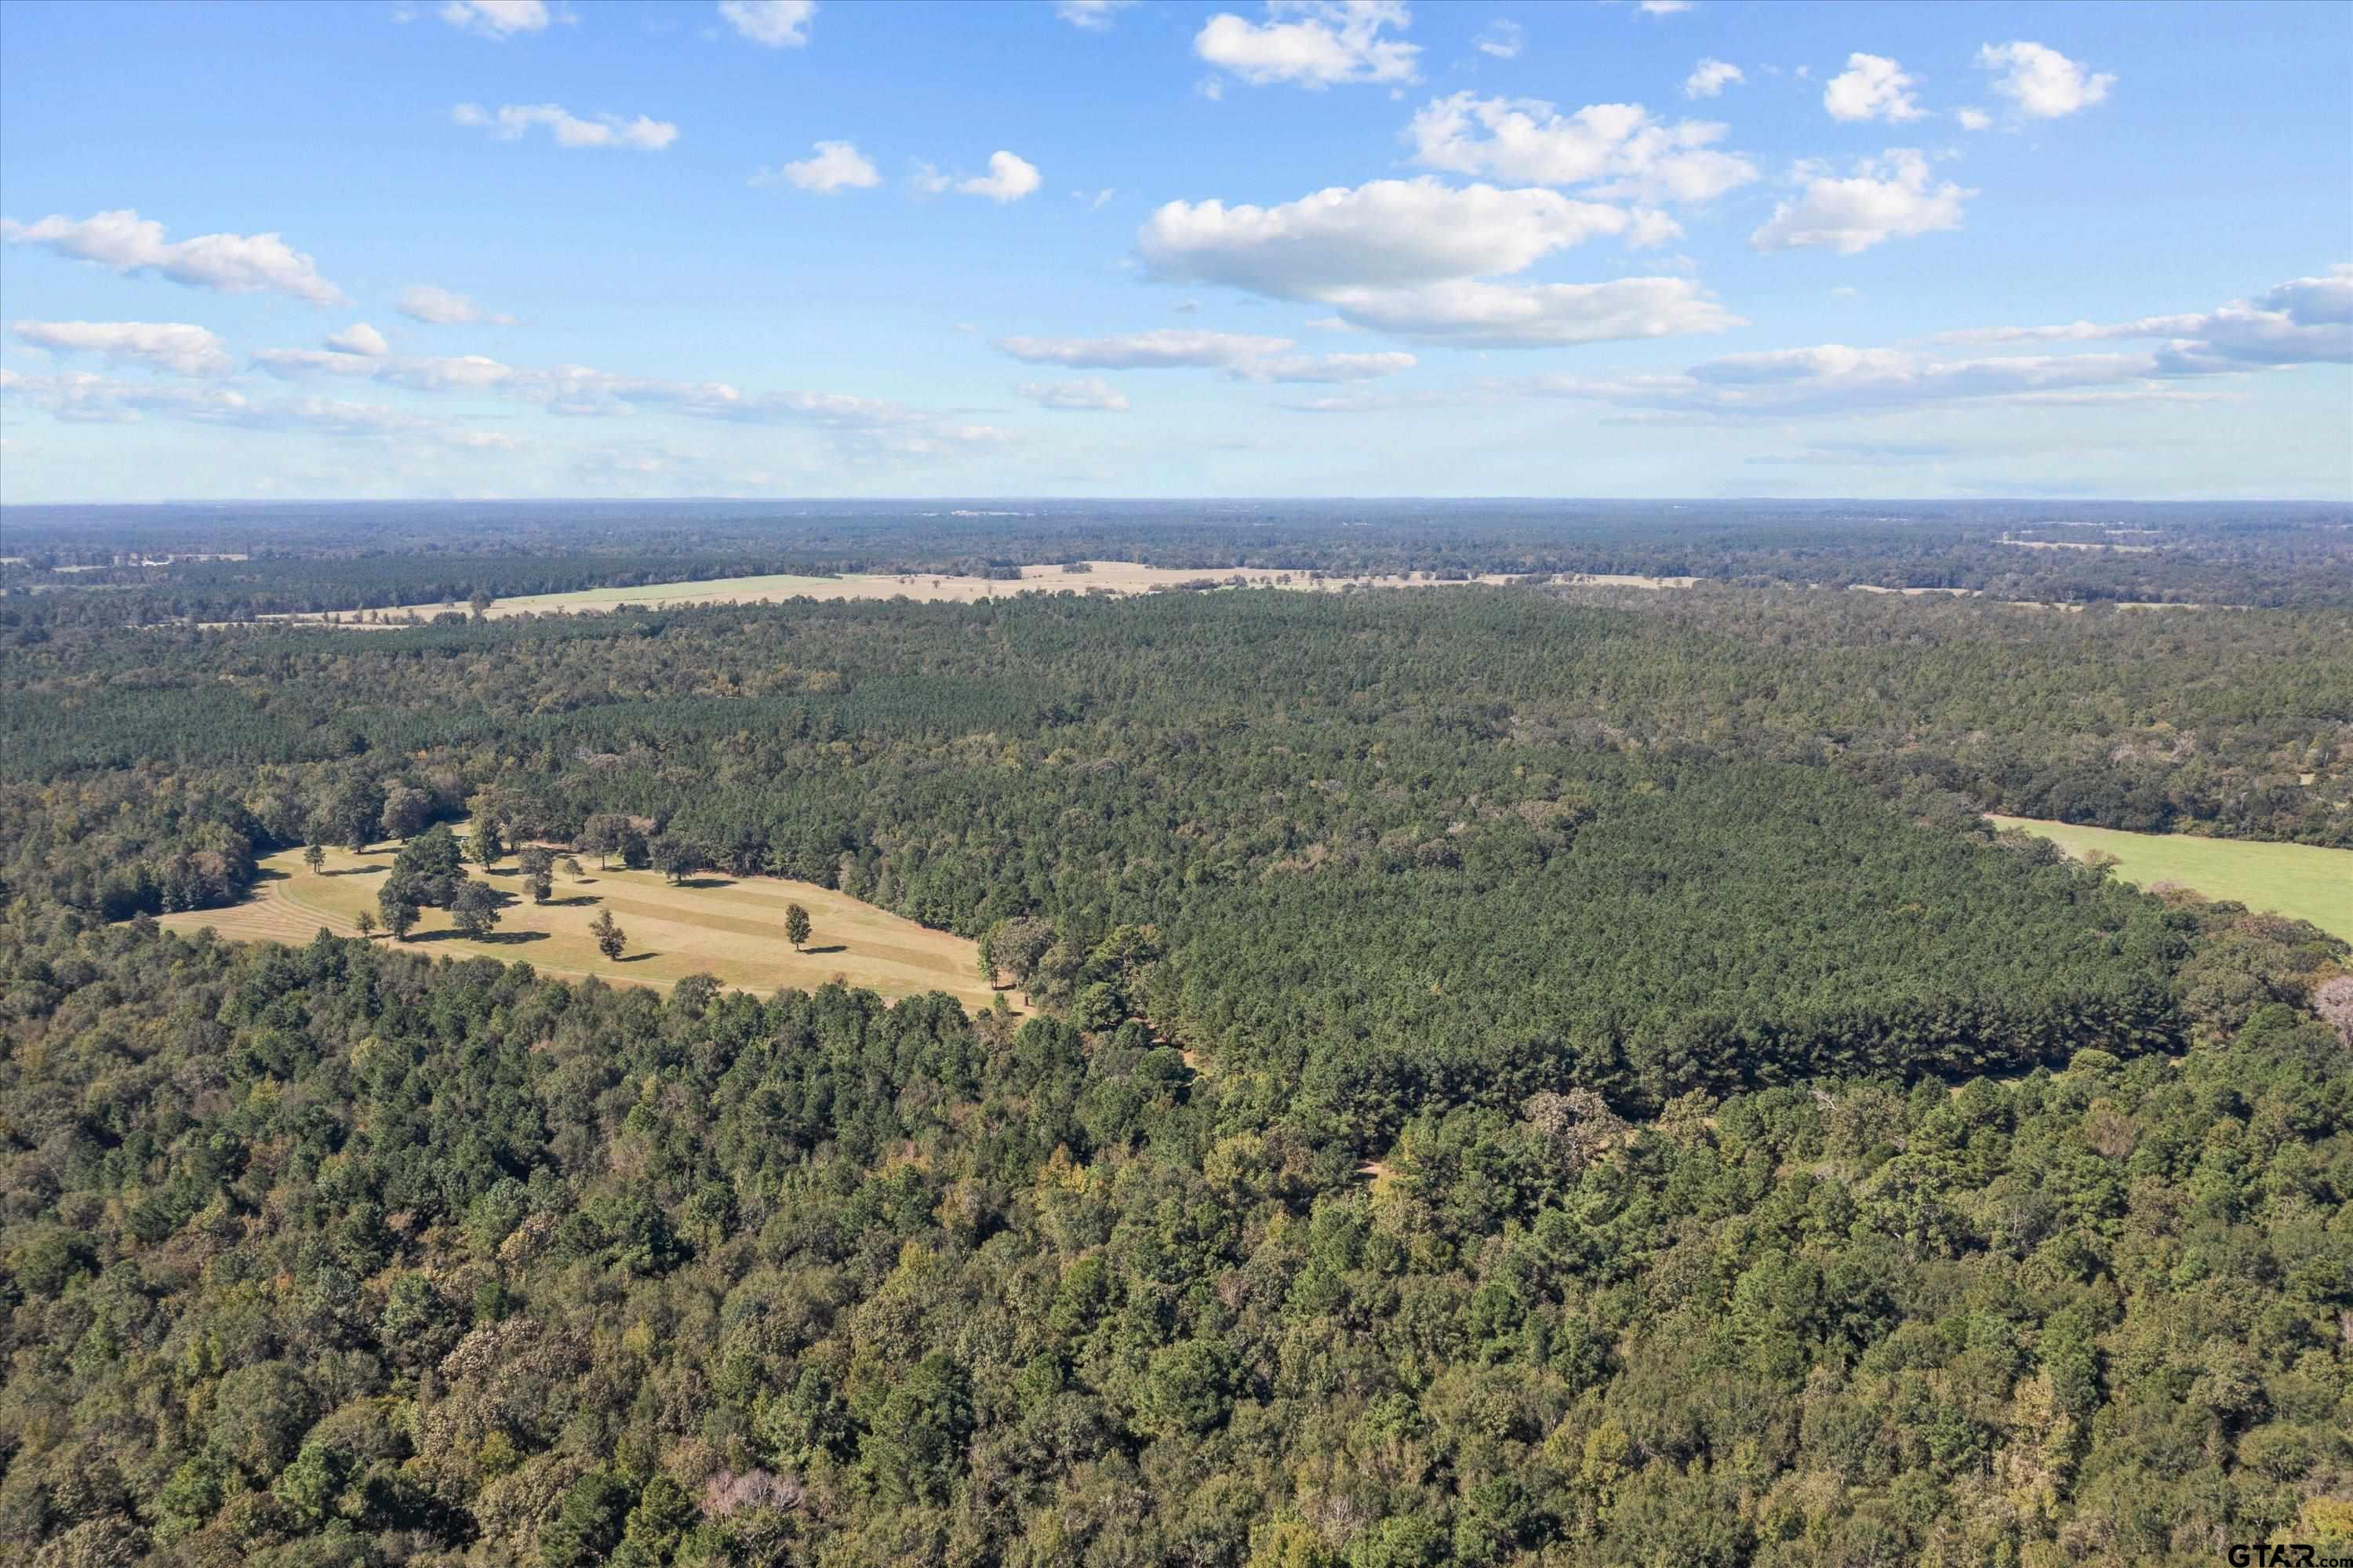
733 928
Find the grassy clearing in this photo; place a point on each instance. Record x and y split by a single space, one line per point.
1102 576
2302 880
733 928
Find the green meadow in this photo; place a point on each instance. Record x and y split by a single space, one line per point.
2303 880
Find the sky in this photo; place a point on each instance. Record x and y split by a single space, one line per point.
423 248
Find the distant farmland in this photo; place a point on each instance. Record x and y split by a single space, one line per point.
2302 880
730 927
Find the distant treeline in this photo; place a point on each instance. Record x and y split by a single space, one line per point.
372 557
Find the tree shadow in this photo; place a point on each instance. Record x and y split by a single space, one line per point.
370 870
636 958
575 902
271 873
837 948
701 882
494 938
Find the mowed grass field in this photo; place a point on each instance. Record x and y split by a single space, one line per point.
731 927
2302 880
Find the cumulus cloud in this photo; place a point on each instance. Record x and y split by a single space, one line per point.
1618 149
1502 39
2042 82
1973 119
1315 43
82 398
832 167
511 122
175 346
1414 257
1161 349
2304 321
1472 313
1387 233
358 338
1710 78
1664 7
771 24
439 307
1009 178
1094 15
232 263
1873 86
1090 394
496 18
1887 197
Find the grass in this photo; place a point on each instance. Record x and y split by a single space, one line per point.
1104 577
2302 880
731 927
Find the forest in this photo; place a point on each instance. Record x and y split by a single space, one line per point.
1518 1075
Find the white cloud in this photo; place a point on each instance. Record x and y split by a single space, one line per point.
1973 119
1094 15
835 166
496 18
1164 348
1385 234
1651 229
772 24
423 303
1620 149
2042 82
1871 87
1664 7
1090 394
1710 78
1327 368
1331 41
1408 257
175 346
511 121
1009 178
1094 200
2304 321
1887 197
1504 40
1472 313
232 263
358 338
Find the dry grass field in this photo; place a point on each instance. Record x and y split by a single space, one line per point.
2302 880
731 927
1121 578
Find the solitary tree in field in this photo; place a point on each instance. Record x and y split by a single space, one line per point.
609 939
480 601
399 916
571 868
475 909
675 856
542 886
796 926
315 856
366 923
485 845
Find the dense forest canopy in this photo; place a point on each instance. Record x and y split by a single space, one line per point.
1517 1076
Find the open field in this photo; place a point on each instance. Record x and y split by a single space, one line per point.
730 927
1102 576
2303 880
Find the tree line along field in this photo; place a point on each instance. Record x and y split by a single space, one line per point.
728 928
2304 881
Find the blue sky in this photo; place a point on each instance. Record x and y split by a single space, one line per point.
501 247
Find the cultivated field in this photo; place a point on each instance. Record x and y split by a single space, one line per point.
2302 880
730 927
1102 576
